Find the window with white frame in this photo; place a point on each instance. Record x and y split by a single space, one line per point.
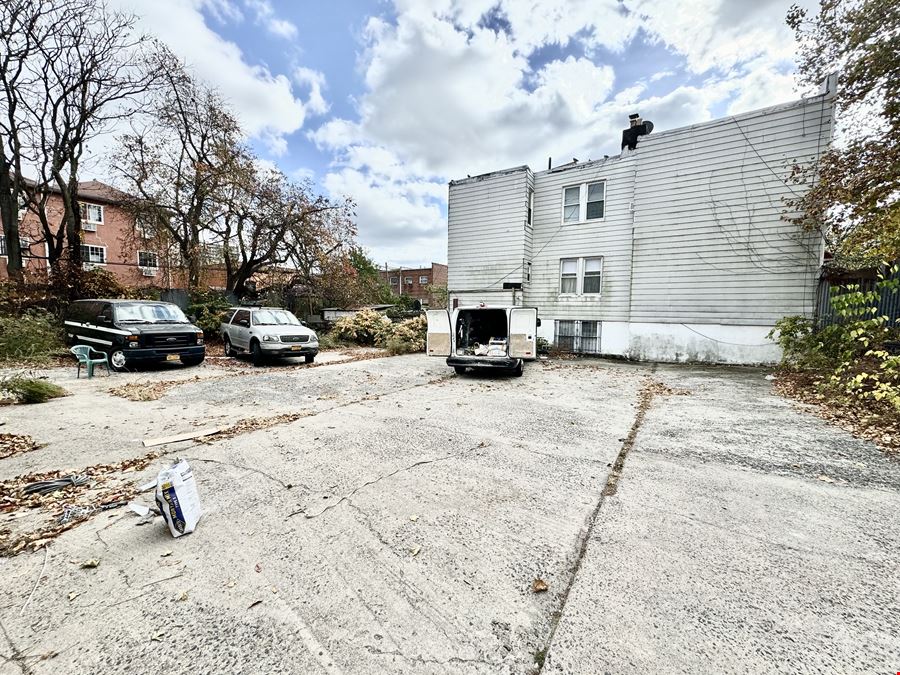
568 275
91 213
584 202
581 276
423 279
395 281
93 254
148 259
24 247
593 275
408 280
572 204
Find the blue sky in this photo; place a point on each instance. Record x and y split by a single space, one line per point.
384 102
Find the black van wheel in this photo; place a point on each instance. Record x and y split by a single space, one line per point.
517 371
192 360
256 353
117 360
460 370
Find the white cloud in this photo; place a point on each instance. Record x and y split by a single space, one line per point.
265 16
307 77
264 101
451 90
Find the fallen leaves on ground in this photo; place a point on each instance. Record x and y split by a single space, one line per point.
148 391
249 424
539 586
16 444
879 423
107 486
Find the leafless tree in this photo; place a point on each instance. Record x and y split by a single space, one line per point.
180 163
70 68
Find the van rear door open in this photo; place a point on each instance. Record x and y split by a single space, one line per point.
439 332
522 333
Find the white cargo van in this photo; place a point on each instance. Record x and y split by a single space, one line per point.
482 336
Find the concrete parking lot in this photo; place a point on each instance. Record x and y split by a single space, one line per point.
683 519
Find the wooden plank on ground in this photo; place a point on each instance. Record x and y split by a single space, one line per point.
178 438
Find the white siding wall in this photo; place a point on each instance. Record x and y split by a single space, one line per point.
703 245
710 245
609 238
486 231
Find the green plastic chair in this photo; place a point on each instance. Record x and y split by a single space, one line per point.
83 354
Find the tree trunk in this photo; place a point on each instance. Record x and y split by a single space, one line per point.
9 215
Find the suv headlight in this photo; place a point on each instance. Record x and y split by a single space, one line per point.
271 338
313 338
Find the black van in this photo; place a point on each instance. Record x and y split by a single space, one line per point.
135 331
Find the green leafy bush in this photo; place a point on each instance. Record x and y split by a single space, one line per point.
849 357
404 337
31 390
369 328
362 328
33 335
208 307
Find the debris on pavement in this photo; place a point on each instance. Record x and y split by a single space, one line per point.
178 499
16 444
45 516
45 487
149 391
539 586
90 564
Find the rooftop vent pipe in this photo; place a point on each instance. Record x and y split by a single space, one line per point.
637 127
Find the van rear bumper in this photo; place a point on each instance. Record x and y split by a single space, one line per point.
504 362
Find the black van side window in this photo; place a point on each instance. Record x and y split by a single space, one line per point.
105 311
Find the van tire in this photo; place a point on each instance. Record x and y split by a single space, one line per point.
460 370
517 371
256 354
117 360
192 360
229 350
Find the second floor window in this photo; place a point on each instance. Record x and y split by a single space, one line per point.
584 202
408 280
593 274
148 259
91 213
395 281
93 254
423 279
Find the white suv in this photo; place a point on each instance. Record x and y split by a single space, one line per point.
265 332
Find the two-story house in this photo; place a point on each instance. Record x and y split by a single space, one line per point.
109 241
678 249
416 282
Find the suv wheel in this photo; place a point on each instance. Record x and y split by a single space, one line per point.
229 350
310 358
256 353
117 360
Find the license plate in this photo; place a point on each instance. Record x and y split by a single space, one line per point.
296 348
172 357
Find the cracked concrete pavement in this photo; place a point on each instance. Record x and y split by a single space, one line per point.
422 507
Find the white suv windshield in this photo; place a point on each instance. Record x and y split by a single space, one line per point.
274 317
150 313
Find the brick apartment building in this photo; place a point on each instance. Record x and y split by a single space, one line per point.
414 281
109 241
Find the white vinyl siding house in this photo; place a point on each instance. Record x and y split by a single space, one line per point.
677 250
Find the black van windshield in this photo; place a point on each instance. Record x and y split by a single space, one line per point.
149 312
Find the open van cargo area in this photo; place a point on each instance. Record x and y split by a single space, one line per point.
482 332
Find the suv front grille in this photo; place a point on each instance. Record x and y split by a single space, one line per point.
295 338
168 340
